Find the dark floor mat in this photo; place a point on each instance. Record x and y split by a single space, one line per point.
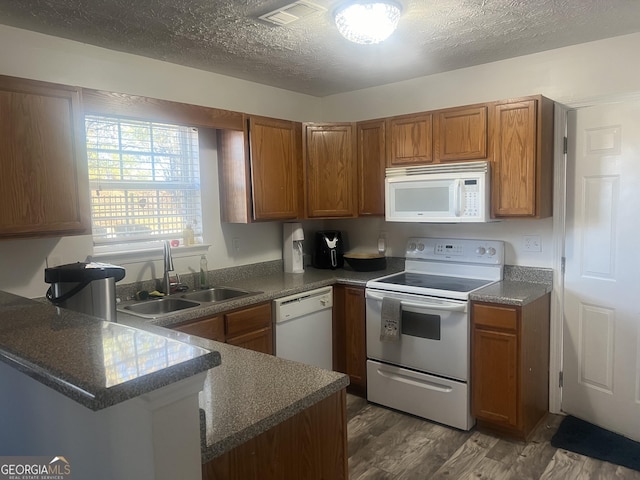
586 439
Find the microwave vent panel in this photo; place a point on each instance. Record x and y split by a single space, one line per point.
292 13
482 167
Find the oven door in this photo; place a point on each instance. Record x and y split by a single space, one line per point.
434 334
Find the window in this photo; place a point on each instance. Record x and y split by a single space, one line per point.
144 178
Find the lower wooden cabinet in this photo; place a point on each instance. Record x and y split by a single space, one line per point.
510 366
349 336
211 328
248 328
311 445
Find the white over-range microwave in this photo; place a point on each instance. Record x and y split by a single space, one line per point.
443 193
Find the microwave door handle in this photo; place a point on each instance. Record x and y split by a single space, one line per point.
457 197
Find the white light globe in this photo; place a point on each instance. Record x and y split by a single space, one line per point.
367 22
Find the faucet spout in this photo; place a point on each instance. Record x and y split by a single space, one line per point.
168 267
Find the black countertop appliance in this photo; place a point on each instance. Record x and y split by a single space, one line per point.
328 250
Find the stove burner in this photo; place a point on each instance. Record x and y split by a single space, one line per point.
436 282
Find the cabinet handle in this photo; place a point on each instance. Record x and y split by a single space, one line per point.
412 381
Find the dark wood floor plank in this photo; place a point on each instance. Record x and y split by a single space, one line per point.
466 457
385 444
564 465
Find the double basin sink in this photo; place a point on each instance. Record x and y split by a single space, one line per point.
161 307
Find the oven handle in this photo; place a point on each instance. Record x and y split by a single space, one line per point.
449 308
412 381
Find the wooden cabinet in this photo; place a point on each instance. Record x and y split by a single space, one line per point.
251 328
44 186
522 163
248 328
259 170
330 170
211 328
371 141
312 445
461 134
349 332
510 366
409 139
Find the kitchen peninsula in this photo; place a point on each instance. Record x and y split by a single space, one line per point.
122 402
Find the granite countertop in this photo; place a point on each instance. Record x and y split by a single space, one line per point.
95 363
510 292
250 392
521 285
269 286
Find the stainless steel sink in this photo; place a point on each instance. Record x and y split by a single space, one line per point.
158 308
216 294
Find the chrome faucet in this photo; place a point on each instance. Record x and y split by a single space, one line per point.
168 267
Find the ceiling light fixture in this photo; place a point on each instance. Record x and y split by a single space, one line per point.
367 22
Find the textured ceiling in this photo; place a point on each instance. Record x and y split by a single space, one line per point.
310 56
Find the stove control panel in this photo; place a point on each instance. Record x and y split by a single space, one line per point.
456 250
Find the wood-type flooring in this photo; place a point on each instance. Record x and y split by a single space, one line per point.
386 444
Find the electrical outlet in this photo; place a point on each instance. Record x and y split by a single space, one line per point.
532 243
236 245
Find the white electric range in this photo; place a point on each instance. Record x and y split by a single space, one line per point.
425 371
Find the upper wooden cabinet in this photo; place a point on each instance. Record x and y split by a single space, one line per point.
460 134
409 140
274 168
371 164
522 163
329 170
44 186
259 171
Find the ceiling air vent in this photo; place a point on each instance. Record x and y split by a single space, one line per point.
292 12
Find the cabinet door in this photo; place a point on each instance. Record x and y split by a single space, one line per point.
522 176
494 376
44 186
274 169
211 328
248 320
461 134
260 340
330 170
514 167
410 140
371 164
355 324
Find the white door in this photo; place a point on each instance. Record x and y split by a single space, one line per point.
601 359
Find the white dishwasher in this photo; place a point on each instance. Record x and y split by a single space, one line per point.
304 327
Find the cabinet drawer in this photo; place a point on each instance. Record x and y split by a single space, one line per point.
248 319
495 316
211 328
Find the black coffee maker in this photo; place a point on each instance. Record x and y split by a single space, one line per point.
328 250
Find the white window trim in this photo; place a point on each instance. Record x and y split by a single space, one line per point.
144 252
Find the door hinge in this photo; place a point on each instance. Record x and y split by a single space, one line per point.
565 146
563 264
560 379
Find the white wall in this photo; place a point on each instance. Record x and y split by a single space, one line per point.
603 69
41 57
596 69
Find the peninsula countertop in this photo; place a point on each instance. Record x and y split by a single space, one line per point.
95 363
249 392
